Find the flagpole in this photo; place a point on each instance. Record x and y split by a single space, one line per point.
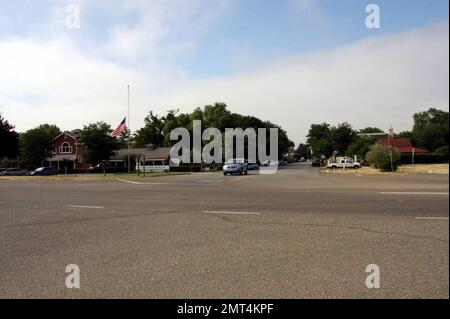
129 130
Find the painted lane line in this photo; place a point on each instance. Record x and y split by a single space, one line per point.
413 193
141 183
81 206
233 213
437 218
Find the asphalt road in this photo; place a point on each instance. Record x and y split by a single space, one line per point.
295 234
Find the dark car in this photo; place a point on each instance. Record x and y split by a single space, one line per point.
283 163
316 163
14 172
45 171
252 166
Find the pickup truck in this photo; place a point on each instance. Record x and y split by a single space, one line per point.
344 163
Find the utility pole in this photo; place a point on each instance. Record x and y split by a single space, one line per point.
129 131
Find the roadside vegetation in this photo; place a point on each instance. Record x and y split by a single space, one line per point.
430 131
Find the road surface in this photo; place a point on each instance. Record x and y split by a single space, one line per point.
295 234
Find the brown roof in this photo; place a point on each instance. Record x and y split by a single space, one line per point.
404 145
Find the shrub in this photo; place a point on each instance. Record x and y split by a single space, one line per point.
441 151
424 158
380 157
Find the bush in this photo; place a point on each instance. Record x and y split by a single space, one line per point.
441 151
380 157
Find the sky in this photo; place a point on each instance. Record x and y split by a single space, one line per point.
293 62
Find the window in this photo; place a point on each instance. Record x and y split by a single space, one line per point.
65 148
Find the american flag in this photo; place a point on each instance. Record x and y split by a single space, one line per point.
121 128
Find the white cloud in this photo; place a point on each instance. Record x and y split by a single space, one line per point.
377 82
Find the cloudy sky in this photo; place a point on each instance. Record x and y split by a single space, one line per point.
294 62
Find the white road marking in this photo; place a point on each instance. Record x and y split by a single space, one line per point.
414 193
225 212
90 207
141 183
440 218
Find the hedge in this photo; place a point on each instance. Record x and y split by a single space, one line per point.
423 158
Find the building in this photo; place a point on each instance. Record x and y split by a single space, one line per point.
66 152
404 145
150 158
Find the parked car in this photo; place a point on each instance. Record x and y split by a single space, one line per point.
344 163
252 166
283 163
316 163
270 163
14 172
2 169
235 166
45 171
98 169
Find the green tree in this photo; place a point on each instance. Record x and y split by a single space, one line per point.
152 132
303 150
431 130
9 139
36 143
370 129
319 139
404 134
342 136
98 145
360 146
380 157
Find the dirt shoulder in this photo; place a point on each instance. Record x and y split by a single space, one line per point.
441 169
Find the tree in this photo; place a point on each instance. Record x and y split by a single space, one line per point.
319 139
341 137
152 132
369 130
431 130
98 145
404 134
380 157
36 143
360 146
303 150
9 139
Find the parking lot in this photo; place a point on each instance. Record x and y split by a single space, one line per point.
295 234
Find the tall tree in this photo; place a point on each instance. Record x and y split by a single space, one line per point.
9 139
36 143
319 139
303 150
370 129
98 145
430 129
342 136
152 132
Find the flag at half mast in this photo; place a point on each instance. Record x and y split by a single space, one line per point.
121 128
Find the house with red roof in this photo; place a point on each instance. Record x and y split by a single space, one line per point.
65 152
404 145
